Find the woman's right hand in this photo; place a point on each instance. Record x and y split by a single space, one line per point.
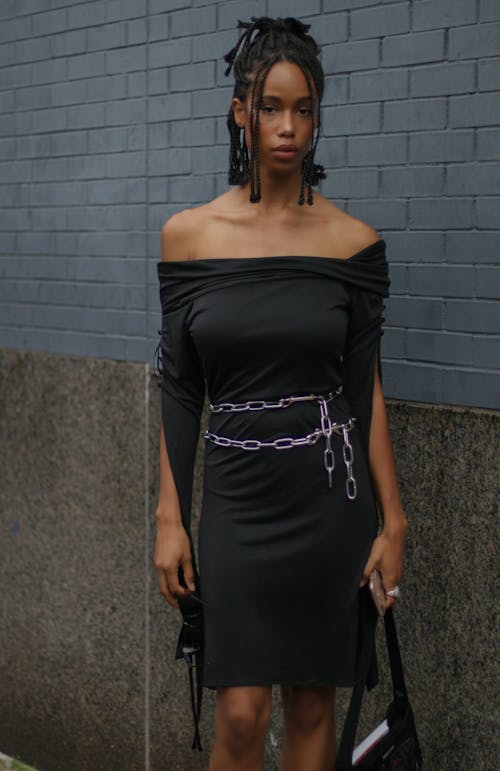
172 550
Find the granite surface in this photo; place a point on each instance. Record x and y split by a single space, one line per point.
87 642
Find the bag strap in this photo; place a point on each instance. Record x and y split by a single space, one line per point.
346 747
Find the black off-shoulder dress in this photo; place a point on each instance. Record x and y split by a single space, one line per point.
282 540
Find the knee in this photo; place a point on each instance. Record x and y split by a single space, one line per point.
306 709
242 723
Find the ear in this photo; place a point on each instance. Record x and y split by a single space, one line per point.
239 112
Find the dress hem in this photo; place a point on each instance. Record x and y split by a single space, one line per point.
287 681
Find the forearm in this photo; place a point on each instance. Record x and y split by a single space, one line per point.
382 465
168 511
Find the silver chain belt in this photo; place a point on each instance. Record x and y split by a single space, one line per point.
284 443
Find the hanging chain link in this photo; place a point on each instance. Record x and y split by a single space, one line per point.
286 442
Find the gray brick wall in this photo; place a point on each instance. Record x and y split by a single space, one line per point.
112 117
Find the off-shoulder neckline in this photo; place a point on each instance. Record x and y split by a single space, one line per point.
203 260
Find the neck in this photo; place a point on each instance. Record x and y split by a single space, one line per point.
278 192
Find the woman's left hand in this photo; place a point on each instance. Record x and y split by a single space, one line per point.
386 556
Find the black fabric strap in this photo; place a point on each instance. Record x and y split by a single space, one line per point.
346 747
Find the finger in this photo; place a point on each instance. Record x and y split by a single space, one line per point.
389 602
162 580
369 568
187 569
173 584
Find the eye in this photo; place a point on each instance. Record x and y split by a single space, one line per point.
305 111
267 108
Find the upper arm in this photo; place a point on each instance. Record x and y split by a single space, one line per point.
175 236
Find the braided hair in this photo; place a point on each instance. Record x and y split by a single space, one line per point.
275 40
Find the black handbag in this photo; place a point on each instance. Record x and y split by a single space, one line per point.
394 744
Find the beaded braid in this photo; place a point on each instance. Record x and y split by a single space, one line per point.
276 40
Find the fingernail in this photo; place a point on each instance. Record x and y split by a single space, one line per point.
192 586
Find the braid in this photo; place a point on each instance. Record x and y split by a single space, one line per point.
276 40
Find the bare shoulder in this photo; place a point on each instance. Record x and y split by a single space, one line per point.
346 234
177 234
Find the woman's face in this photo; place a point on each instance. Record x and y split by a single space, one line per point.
285 126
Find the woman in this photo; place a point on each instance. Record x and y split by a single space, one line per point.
269 292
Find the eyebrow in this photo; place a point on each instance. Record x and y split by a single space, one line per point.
279 100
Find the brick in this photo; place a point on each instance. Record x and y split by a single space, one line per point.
117 10
474 41
412 181
32 50
336 90
108 191
417 246
85 66
208 162
441 280
332 152
107 140
487 212
489 10
50 168
50 21
158 6
377 150
19 75
443 78
417 313
413 48
488 144
439 347
351 119
441 146
158 26
169 107
193 22
87 15
394 343
137 137
488 283
340 5
489 74
485 351
413 381
473 316
126 60
211 103
157 81
474 110
125 111
213 45
473 179
169 53
329 28
192 189
92 115
380 214
399 279
382 84
107 36
188 77
346 57
229 13
192 133
351 183
428 14
380 21
469 388
174 161
67 93
16 28
136 84
293 7
414 114
440 213
137 32
473 247
53 119
108 87
31 147
68 43
133 164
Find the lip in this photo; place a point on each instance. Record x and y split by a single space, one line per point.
285 151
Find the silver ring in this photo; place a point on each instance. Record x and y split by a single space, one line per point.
393 592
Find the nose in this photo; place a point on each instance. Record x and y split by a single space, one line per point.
287 127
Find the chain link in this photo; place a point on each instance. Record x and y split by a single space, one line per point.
286 442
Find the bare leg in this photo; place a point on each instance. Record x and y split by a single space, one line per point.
242 716
309 721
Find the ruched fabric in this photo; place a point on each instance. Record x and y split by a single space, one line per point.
280 552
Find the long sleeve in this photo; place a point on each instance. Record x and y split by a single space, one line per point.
361 352
182 394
